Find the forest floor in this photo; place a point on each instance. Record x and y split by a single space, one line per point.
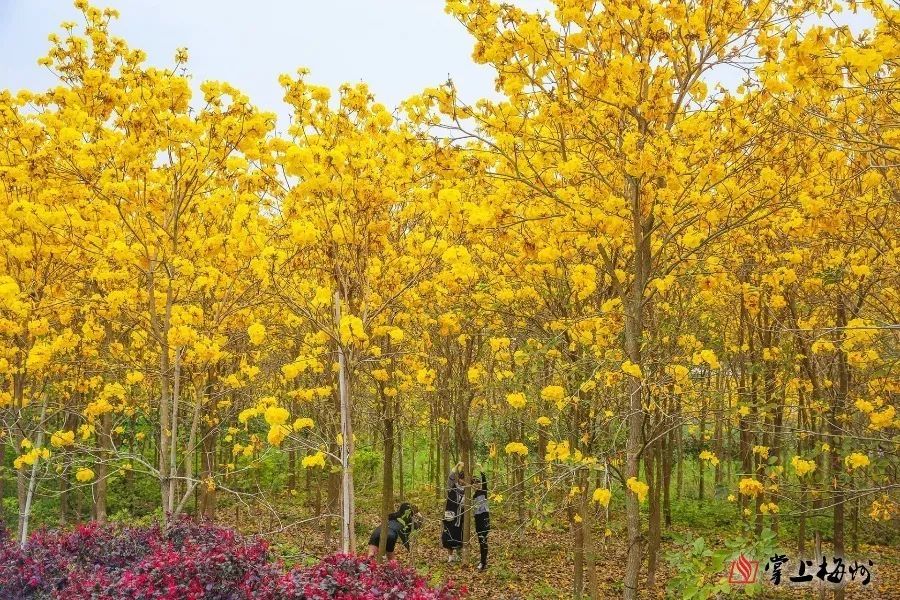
533 565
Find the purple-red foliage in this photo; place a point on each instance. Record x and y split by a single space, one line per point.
347 577
190 561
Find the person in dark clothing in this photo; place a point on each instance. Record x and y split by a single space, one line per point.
400 525
452 535
482 517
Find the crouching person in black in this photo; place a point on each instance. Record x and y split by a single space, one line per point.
400 525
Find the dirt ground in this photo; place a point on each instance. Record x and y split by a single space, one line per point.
529 565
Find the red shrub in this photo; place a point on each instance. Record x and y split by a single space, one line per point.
191 561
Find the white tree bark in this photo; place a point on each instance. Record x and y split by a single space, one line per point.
32 482
348 525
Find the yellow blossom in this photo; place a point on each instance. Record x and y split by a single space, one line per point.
553 393
303 423
750 487
601 496
257 333
62 438
84 475
631 369
707 455
802 467
277 415
516 399
639 488
314 460
857 460
517 448
881 419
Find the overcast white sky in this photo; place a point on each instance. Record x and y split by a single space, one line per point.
397 46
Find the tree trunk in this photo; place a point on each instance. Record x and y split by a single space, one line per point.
65 488
578 533
333 505
399 445
667 444
25 514
651 468
102 485
161 331
387 480
701 464
590 558
632 450
173 446
348 525
837 408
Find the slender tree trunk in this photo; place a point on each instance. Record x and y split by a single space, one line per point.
65 488
667 474
3 473
654 532
399 445
348 525
332 502
590 558
387 480
632 449
161 331
32 481
578 533
208 457
837 409
173 445
102 484
701 464
679 459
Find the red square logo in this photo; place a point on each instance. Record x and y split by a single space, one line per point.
743 570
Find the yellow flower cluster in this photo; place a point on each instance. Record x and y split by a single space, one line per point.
553 393
277 434
632 369
351 331
750 487
517 448
557 451
257 333
601 496
84 475
864 406
584 280
856 460
802 466
884 509
30 457
768 508
62 438
639 488
316 460
709 456
882 419
276 415
303 423
708 357
516 400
